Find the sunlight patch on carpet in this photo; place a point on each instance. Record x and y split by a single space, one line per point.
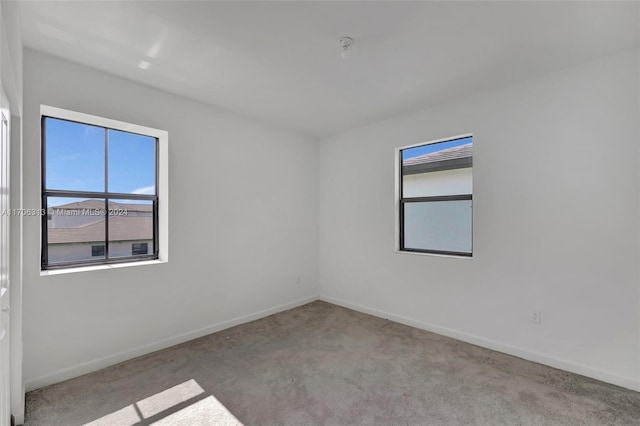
128 416
169 398
207 411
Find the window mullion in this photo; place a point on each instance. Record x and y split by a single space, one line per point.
106 197
437 198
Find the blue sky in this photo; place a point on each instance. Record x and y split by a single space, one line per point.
76 159
427 149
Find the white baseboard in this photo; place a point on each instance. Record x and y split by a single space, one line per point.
561 364
97 364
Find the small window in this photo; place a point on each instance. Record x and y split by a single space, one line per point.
97 250
436 197
99 188
139 248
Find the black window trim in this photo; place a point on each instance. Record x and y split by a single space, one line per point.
403 200
93 195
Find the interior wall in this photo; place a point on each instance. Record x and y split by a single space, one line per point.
555 187
242 229
11 82
11 54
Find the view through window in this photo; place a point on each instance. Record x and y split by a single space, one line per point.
99 194
436 197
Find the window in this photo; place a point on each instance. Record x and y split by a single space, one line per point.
139 248
97 250
435 197
100 189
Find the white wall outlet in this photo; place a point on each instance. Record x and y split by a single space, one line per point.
536 316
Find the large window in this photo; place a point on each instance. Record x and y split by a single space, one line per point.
99 191
435 197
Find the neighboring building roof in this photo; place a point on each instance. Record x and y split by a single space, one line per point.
451 158
121 228
99 204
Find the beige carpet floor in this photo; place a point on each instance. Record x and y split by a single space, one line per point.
321 364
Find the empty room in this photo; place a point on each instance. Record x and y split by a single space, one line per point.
319 213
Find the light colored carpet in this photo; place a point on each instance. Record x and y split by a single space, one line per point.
321 364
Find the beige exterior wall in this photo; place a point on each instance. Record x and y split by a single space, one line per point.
82 251
447 182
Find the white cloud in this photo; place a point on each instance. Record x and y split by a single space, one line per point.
148 190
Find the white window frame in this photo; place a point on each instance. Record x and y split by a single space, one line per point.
163 182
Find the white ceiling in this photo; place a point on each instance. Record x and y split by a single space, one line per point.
280 62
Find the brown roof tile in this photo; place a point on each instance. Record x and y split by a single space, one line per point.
462 151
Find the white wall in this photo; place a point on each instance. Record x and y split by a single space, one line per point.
555 186
243 229
11 83
11 54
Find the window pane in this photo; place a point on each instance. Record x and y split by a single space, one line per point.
139 248
75 156
132 163
75 226
130 222
97 250
438 169
438 225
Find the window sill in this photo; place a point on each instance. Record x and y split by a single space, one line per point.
432 254
100 267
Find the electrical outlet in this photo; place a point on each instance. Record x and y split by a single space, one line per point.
536 316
